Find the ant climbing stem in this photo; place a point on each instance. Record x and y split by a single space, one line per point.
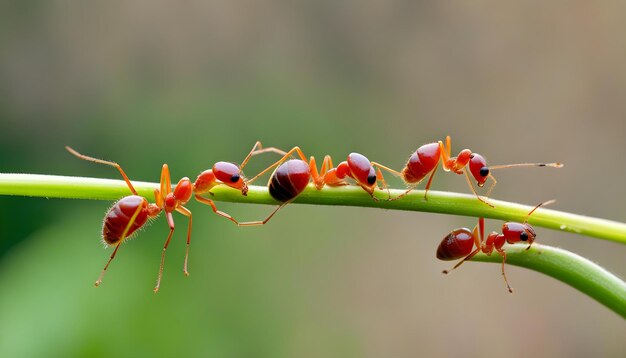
133 211
425 160
229 174
460 242
357 167
292 176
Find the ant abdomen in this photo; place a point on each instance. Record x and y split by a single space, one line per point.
422 162
120 214
289 180
457 244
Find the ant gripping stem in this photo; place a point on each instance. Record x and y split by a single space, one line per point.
229 174
425 160
133 211
292 176
460 243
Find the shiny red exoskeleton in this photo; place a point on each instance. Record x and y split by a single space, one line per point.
460 242
426 158
292 176
132 212
229 174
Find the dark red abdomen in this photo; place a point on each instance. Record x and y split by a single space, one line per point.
422 162
119 216
361 168
457 244
289 180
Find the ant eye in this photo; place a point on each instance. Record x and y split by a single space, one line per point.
523 236
234 178
484 171
371 179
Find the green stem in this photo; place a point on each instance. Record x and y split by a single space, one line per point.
567 267
51 186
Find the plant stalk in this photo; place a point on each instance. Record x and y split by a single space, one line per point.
565 266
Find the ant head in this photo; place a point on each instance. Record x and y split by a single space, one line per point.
516 232
230 174
522 232
478 168
362 170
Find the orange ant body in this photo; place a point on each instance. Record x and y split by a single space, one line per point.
460 242
426 158
132 212
292 176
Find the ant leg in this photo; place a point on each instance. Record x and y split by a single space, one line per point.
493 185
329 174
409 189
469 182
255 223
466 258
397 174
446 153
381 178
319 180
227 216
183 210
99 280
122 237
212 205
501 252
280 161
258 149
327 164
552 201
430 180
170 221
166 183
100 161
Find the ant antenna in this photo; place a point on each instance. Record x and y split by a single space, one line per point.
553 165
537 207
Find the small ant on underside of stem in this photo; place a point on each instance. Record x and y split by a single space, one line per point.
460 242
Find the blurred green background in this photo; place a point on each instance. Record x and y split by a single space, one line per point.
190 83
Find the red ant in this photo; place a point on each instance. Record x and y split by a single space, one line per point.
229 174
292 177
132 212
460 242
427 157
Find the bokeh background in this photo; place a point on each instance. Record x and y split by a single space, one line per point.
190 83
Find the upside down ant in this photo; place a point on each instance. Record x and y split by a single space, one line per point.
460 242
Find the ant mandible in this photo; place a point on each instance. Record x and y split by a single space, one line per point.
426 158
460 242
292 176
